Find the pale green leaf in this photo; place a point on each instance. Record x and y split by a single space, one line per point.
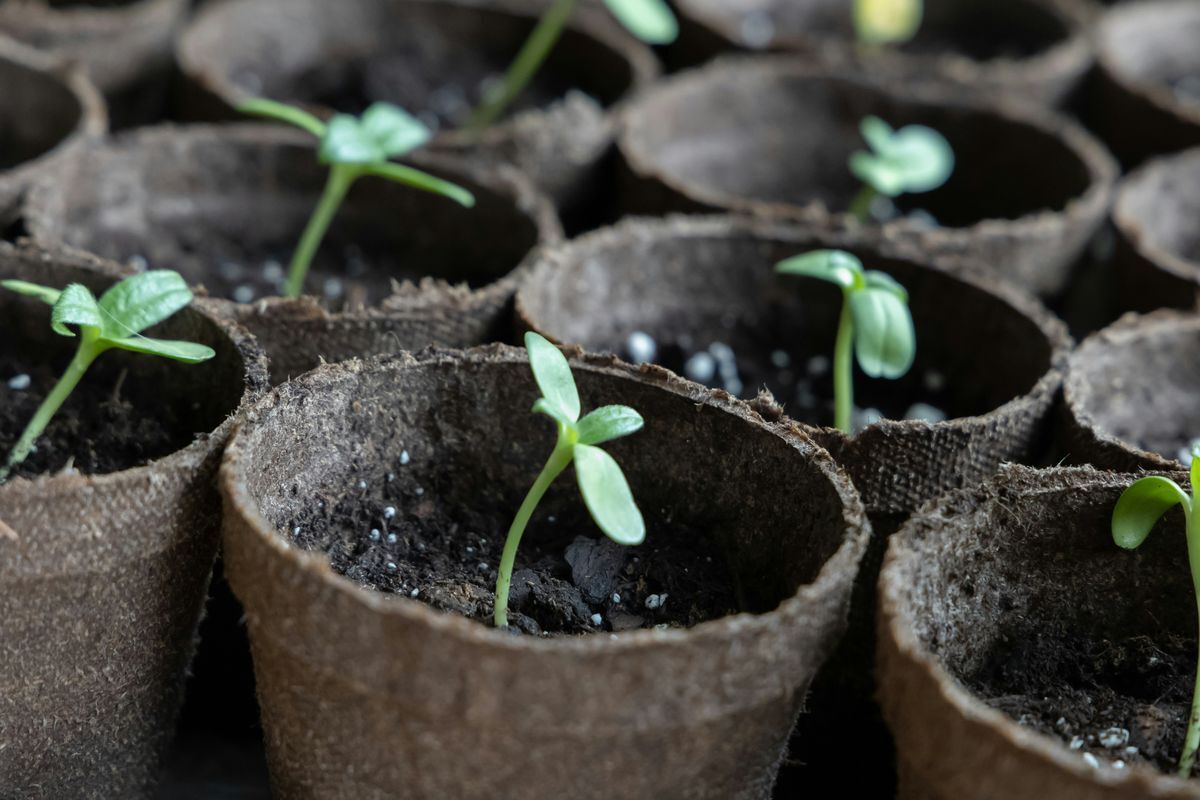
421 180
43 293
884 340
1141 506
553 375
607 423
187 352
394 129
649 20
607 496
76 306
835 266
142 300
282 112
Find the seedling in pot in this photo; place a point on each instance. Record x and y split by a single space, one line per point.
115 321
911 160
603 486
1136 512
648 20
875 323
884 22
353 147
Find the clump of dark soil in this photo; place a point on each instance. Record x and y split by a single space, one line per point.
398 537
1123 702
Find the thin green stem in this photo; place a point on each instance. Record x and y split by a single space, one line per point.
539 44
860 208
1192 741
341 176
89 349
843 369
558 461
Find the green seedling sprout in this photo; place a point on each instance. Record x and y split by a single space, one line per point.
601 482
911 160
884 22
648 20
1136 512
353 147
875 323
114 322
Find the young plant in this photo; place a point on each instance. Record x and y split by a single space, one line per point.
911 160
353 147
648 20
875 323
1136 512
601 482
115 321
883 22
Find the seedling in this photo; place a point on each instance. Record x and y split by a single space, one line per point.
354 147
911 160
115 321
1136 512
648 20
601 482
875 323
883 22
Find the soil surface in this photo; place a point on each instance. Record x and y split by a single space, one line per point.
99 430
1121 702
568 579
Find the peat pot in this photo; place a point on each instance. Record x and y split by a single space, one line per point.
123 45
433 57
771 136
1130 393
379 674
1023 654
108 536
225 206
1147 95
1158 246
1028 49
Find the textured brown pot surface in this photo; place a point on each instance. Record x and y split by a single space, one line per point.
366 694
48 109
1158 256
1130 393
103 578
1031 49
125 47
202 198
1142 49
431 57
1025 567
771 136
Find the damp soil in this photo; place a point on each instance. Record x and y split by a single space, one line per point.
393 536
101 429
1117 702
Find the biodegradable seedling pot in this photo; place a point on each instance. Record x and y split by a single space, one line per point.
1021 652
1130 393
371 693
771 136
1157 261
1031 49
123 45
109 533
1147 94
225 205
432 57
47 109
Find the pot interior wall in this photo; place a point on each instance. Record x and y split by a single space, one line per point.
430 57
37 111
767 136
723 288
471 441
1161 206
219 210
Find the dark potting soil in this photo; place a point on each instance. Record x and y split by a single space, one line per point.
1123 702
568 578
102 428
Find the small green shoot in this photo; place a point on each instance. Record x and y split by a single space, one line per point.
648 20
911 160
1136 512
875 323
882 22
601 482
353 147
115 321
